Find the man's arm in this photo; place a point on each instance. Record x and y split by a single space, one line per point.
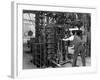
70 38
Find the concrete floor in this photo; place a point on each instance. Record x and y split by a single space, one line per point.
28 65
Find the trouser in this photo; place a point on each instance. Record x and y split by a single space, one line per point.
79 49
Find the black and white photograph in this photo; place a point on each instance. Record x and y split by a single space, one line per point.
50 40
55 39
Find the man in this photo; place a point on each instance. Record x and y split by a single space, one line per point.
78 48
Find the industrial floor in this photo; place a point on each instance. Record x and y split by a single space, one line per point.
28 65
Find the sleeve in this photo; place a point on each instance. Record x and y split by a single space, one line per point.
70 38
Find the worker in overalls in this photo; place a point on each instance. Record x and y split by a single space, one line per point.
78 48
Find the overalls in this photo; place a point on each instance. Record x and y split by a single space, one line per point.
79 48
